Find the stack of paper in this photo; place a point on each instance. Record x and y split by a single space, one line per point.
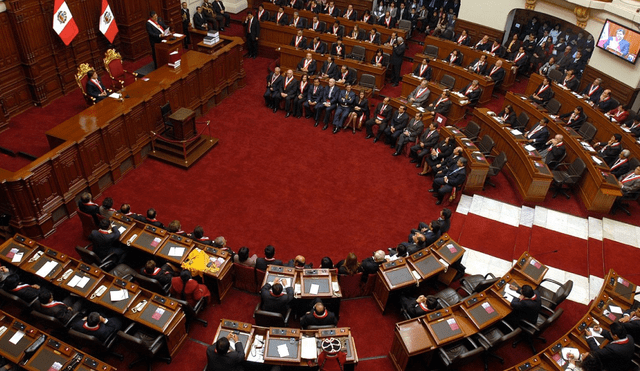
176 251
309 348
529 147
510 294
119 295
313 290
46 268
283 351
78 281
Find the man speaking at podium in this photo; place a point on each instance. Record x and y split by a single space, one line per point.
156 29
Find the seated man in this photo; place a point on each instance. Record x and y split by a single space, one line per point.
338 49
151 218
4 273
621 166
95 89
329 69
276 298
472 91
526 307
107 241
176 228
87 206
221 243
454 177
125 209
220 359
633 126
317 46
288 92
630 183
373 37
299 41
319 316
538 136
428 139
555 152
543 93
423 71
242 257
449 162
107 209
269 253
381 116
410 133
496 49
96 325
274 84
296 21
371 264
604 102
616 355
314 96
420 94
432 233
316 25
496 72
223 17
346 100
575 118
58 309
438 155
393 128
479 65
593 90
328 104
483 44
419 306
199 20
442 105
299 263
307 65
163 274
24 291
610 150
280 17
346 76
631 322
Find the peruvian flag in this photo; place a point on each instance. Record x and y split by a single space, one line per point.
107 22
63 22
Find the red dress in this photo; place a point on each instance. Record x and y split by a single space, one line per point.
193 292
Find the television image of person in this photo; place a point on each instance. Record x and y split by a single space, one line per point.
619 40
617 43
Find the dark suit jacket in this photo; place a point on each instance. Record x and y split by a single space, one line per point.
302 44
262 263
350 77
199 22
103 242
342 53
466 41
319 28
527 309
545 95
400 122
291 89
429 140
57 309
94 91
317 96
614 356
442 108
572 84
102 333
539 138
606 105
331 71
254 32
620 171
155 36
310 319
300 24
398 54
426 74
480 69
321 48
595 95
353 16
474 95
218 6
414 127
388 111
370 266
555 154
334 13
284 20
610 153
454 177
334 95
265 16
25 292
232 361
272 303
276 84
576 123
457 61
497 76
511 119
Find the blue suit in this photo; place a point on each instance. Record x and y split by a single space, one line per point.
623 46
313 97
455 177
345 101
330 98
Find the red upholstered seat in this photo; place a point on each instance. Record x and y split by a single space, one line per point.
244 278
117 73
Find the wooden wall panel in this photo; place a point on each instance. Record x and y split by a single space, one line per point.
9 54
477 31
620 91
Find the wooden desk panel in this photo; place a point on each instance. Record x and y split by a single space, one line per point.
409 83
532 176
596 191
290 57
445 47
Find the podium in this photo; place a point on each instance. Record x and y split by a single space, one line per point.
166 47
184 123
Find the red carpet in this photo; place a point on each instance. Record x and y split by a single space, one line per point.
489 236
622 258
571 252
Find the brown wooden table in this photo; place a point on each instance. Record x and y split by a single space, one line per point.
477 164
445 47
532 176
597 189
290 57
168 46
410 82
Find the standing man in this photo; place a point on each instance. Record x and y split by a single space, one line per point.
186 17
252 32
396 60
155 28
274 84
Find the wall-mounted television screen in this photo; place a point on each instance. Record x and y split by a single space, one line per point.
620 41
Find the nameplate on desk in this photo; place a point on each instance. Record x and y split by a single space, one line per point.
84 267
582 326
120 283
159 299
471 301
417 255
151 228
524 367
52 253
278 331
90 362
230 324
19 238
275 268
501 283
556 348
53 344
435 315
330 332
211 250
601 304
19 326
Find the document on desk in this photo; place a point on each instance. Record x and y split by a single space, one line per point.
115 95
596 160
283 351
46 268
297 289
516 132
309 348
257 350
83 282
74 281
615 309
336 286
121 229
574 351
17 258
176 251
119 295
510 294
529 147
16 337
313 290
597 337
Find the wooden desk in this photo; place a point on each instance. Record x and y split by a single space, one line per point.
410 82
168 46
290 57
477 164
209 49
84 281
273 35
597 188
415 339
392 276
531 175
385 33
184 123
268 338
445 47
606 127
52 351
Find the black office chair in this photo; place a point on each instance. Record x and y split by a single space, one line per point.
622 204
51 323
569 177
477 282
495 168
460 353
486 145
368 81
555 75
385 59
145 345
448 297
192 312
405 24
271 319
124 272
448 81
447 34
319 327
553 164
431 51
587 131
15 301
553 106
166 111
97 347
471 131
473 103
152 284
92 258
531 331
552 298
521 122
493 337
357 53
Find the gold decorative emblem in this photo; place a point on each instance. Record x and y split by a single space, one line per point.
582 16
62 17
530 4
107 17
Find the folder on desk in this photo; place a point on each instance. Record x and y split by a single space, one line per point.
309 348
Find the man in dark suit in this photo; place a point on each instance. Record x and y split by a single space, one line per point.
295 4
526 306
593 90
328 104
442 105
107 241
61 311
633 126
269 259
338 49
447 163
87 206
631 322
24 291
336 29
186 23
346 100
275 298
556 150
288 92
345 76
610 150
419 306
318 316
454 177
496 49
575 118
479 65
296 21
220 359
483 44
621 166
570 81
151 218
538 136
317 46
387 21
605 102
371 264
155 28
95 89
423 70
381 116
280 17
314 96
274 84
96 325
472 91
199 21
496 73
410 133
216 21
397 56
350 13
373 37
263 15
393 128
316 25
329 69
218 8
428 139
616 355
332 10
252 33
299 41
419 95
403 13
543 93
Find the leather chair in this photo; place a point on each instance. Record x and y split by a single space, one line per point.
81 80
405 24
448 81
351 286
271 319
92 258
485 145
152 284
386 57
15 301
259 278
192 312
97 347
115 69
471 131
569 177
495 168
477 282
532 331
521 121
553 106
555 75
88 223
123 271
551 298
448 297
493 337
459 353
144 345
51 323
447 34
357 53
368 81
165 111
587 131
244 278
431 51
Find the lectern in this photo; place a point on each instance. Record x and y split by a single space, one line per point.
166 47
184 123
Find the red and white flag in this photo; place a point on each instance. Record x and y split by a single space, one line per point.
107 22
63 22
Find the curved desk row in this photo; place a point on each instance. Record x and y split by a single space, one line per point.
597 189
77 278
415 340
410 83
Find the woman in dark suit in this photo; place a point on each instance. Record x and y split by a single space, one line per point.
507 115
359 112
454 58
301 96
